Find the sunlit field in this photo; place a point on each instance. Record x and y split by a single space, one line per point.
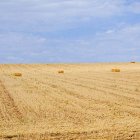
70 101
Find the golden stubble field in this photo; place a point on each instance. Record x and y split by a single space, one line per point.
86 102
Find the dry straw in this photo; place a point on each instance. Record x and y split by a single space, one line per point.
116 70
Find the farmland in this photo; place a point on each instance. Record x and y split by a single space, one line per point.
70 101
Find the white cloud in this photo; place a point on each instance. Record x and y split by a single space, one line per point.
52 15
122 40
49 15
111 45
134 7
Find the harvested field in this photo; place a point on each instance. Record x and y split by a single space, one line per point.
88 102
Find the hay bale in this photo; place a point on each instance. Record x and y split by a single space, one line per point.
61 71
116 70
18 74
133 62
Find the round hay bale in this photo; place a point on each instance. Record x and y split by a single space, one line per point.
116 70
133 62
60 71
18 74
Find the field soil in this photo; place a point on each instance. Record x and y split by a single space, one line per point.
82 102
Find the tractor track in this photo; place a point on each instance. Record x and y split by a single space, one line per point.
7 103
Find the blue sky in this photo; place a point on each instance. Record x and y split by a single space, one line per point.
60 31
